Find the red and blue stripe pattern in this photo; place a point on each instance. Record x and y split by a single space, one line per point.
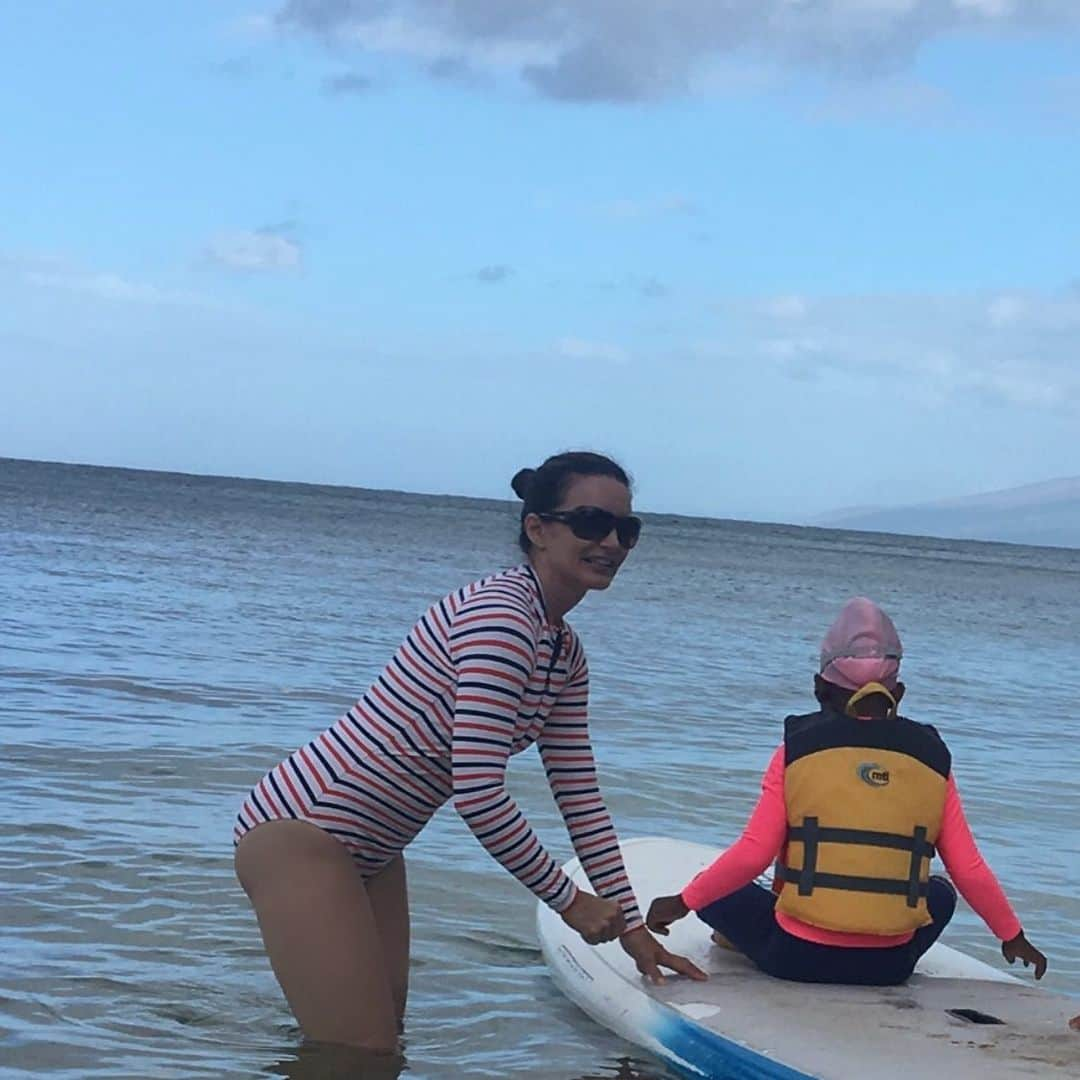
481 676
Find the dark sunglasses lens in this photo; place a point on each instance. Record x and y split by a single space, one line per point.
591 523
628 530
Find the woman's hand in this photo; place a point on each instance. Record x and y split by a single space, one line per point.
665 910
594 918
650 956
1019 948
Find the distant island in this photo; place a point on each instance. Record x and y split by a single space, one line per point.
1047 514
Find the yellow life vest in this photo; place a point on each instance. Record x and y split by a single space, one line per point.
864 805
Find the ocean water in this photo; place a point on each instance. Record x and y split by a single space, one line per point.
164 639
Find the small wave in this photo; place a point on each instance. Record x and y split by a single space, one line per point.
215 696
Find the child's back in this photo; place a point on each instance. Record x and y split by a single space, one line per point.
855 803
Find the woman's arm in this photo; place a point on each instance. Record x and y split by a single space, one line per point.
493 648
566 751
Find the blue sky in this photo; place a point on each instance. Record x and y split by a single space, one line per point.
779 256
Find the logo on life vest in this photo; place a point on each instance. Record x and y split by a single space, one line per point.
873 774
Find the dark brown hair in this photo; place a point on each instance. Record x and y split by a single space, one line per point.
541 490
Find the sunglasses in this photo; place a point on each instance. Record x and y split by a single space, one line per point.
595 523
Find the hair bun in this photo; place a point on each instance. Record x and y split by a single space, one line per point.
522 482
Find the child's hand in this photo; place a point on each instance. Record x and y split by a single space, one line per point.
663 911
1022 949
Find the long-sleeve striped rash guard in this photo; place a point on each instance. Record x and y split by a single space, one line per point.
482 675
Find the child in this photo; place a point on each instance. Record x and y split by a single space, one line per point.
854 805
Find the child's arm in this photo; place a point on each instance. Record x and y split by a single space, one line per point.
760 843
978 885
966 866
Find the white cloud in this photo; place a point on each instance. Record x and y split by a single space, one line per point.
990 9
578 349
885 99
1021 347
794 348
252 26
106 286
430 42
630 50
263 250
1005 310
57 272
657 206
1034 312
786 307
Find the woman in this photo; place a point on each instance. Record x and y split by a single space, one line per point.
854 803
486 672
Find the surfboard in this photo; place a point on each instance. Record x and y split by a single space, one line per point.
956 1016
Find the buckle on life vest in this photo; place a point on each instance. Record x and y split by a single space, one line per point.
869 690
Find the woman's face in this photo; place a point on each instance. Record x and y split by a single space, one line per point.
582 564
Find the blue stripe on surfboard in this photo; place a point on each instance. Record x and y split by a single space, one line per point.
715 1057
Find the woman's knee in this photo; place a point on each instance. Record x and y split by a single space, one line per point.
321 934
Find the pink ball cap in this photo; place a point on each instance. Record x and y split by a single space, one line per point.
862 646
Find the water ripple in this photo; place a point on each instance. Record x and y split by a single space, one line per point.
166 639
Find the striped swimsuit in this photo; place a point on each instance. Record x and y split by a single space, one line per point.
481 676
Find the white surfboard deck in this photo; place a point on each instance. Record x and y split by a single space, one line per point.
743 1024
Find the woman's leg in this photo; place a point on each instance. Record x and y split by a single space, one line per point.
389 897
321 934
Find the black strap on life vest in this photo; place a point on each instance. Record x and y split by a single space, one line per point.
811 834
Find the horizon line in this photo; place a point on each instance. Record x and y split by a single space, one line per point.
813 527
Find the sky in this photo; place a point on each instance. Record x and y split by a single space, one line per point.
780 257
